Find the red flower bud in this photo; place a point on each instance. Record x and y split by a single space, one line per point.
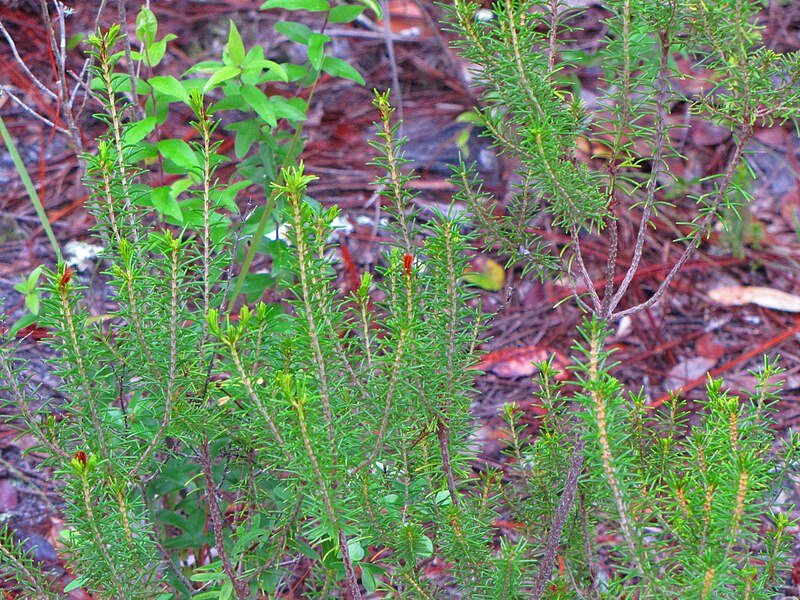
80 456
408 260
65 277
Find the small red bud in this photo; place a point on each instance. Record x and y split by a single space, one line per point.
80 456
65 277
408 260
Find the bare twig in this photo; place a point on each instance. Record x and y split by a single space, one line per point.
443 433
701 228
574 289
613 248
433 26
34 487
240 587
29 110
389 43
584 273
84 78
587 541
560 516
47 91
57 35
126 44
166 557
660 142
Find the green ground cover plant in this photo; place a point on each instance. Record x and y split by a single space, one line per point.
322 448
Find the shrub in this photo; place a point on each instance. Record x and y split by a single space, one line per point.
216 450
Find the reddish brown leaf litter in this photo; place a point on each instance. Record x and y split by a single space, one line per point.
515 363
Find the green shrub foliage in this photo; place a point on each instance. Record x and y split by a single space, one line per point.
323 448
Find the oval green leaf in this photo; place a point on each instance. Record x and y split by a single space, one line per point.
339 68
345 13
259 102
178 152
309 5
169 86
223 74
